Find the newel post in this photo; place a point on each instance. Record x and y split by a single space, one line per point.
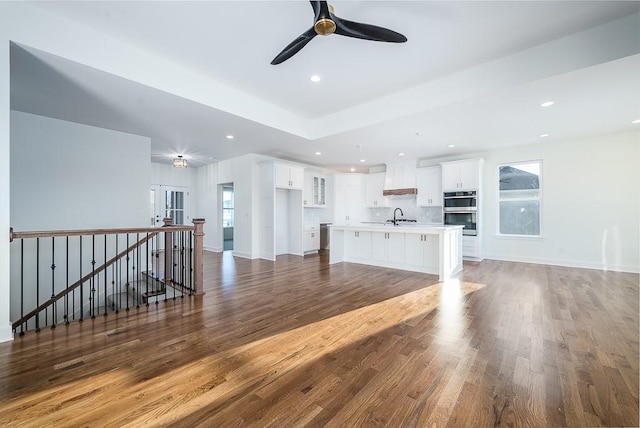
168 252
198 254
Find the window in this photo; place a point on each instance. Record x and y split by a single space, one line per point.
227 207
519 196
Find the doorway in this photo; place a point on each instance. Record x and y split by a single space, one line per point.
227 217
171 202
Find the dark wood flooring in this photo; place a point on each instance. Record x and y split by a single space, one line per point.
301 343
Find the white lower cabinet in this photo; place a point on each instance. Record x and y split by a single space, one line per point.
311 239
387 247
358 243
421 250
471 247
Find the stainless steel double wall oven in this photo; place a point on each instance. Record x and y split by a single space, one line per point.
461 208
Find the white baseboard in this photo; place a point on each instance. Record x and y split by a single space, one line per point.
242 255
213 249
564 263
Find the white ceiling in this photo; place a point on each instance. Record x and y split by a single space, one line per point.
472 74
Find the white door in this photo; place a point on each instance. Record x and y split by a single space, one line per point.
169 201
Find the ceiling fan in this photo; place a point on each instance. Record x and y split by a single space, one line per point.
326 23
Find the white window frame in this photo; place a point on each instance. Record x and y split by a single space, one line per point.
539 199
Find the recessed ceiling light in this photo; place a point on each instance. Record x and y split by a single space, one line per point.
315 78
544 135
451 146
362 160
352 169
318 153
400 154
230 137
635 121
546 104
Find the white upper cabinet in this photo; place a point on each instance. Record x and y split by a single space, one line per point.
315 190
461 175
288 176
374 186
429 181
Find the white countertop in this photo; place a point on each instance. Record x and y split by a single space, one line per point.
402 228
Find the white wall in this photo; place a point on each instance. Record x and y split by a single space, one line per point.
5 324
167 175
590 206
70 176
244 173
282 233
204 203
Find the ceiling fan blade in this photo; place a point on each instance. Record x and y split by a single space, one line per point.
366 31
316 5
295 46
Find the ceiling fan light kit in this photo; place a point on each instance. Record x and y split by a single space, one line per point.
326 23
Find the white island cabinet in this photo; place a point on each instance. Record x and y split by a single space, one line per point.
435 250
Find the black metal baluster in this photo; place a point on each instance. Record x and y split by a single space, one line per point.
127 284
66 296
105 275
190 263
182 263
37 283
81 289
146 267
113 281
53 280
175 260
22 286
92 296
157 270
137 277
119 272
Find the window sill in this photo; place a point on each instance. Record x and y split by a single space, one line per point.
520 237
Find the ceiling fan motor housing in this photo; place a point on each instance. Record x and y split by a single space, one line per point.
325 27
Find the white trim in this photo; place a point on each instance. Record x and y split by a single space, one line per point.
522 237
564 263
213 249
241 254
6 333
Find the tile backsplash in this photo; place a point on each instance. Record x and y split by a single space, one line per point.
408 206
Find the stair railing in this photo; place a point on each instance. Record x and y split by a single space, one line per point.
101 271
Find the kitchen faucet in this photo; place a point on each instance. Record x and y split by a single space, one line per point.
395 222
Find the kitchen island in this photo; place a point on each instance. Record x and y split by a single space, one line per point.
435 250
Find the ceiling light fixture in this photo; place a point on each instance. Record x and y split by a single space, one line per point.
315 78
400 154
230 137
635 121
352 169
544 135
451 146
179 162
318 153
362 160
547 104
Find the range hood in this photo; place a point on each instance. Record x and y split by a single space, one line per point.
400 179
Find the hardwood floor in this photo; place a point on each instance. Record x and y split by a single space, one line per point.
302 343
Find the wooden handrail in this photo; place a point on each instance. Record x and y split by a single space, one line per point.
43 306
82 232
